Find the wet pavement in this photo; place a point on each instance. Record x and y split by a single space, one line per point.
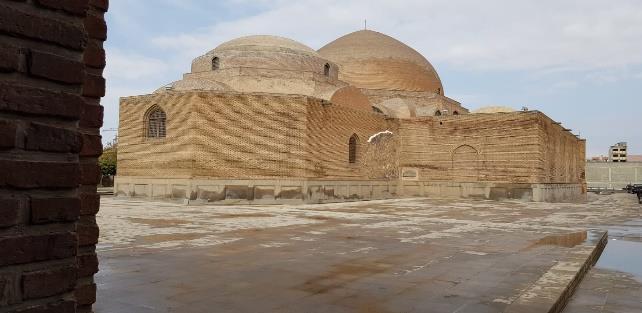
615 283
410 255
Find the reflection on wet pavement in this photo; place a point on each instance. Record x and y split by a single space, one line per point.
615 283
569 240
630 230
624 250
623 256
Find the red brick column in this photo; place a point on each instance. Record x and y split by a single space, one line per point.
51 63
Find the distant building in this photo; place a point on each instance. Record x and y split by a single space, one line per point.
617 152
600 158
608 172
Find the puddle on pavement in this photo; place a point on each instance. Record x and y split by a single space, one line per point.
623 253
569 240
594 236
631 230
622 256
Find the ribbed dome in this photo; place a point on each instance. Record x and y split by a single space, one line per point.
372 60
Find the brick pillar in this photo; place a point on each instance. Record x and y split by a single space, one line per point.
51 63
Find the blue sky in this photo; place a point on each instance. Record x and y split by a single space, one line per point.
578 61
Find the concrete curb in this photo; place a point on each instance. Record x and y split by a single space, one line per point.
566 295
555 288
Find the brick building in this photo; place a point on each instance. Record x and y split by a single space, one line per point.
264 119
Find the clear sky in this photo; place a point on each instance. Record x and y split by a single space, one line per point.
578 61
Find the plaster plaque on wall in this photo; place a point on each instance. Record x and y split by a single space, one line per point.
409 173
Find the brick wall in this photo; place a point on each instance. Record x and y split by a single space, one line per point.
51 63
245 136
563 154
170 156
216 135
330 127
416 103
503 147
251 136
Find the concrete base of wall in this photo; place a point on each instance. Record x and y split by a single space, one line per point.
494 191
258 191
293 191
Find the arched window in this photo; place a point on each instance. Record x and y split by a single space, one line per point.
215 63
437 113
326 69
352 149
438 91
455 113
155 123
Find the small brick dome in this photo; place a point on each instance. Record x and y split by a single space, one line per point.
263 52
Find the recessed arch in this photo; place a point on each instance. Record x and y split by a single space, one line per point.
465 166
455 113
326 69
155 122
353 146
216 63
437 113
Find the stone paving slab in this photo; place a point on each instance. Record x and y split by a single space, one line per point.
410 255
607 291
615 283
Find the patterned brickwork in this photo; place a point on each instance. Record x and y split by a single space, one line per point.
330 127
171 156
51 65
562 152
222 135
503 147
408 104
251 136
228 135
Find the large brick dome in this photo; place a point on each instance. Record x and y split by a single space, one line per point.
372 60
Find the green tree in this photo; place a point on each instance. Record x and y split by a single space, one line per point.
107 161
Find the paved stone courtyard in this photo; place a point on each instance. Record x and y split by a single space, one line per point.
410 255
